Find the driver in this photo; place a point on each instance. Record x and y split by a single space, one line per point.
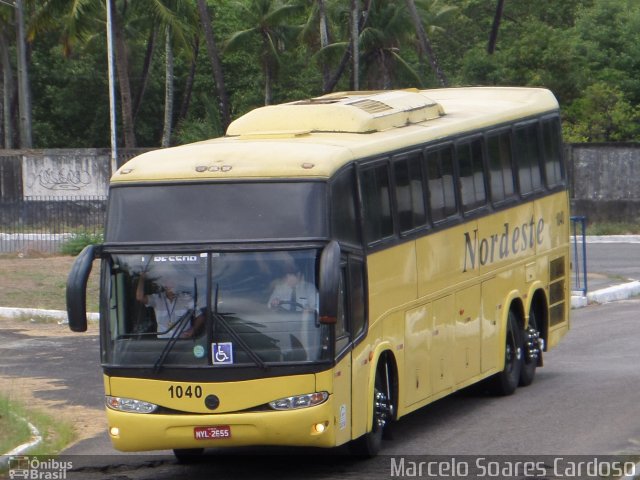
169 307
293 293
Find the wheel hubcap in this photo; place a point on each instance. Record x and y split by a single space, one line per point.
383 409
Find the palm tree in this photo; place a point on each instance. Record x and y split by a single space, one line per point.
388 28
435 11
8 86
216 64
268 24
347 17
81 20
317 35
493 36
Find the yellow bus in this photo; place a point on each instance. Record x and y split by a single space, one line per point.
329 266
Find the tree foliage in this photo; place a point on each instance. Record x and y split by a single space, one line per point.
586 51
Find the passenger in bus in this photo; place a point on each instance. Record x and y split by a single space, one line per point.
169 308
293 293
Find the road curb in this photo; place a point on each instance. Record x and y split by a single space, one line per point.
607 295
39 314
35 440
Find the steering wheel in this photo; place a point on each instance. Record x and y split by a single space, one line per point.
293 305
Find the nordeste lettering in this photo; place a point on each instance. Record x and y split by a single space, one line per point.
499 246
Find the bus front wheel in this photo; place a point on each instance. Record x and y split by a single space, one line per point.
369 444
506 381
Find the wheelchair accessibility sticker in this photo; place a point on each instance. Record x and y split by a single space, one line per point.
222 353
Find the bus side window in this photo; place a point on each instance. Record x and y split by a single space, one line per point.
409 192
378 223
442 197
527 155
344 223
552 143
471 169
499 151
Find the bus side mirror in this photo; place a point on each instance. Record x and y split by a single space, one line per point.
329 283
77 288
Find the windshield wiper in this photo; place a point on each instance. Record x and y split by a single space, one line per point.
220 318
179 329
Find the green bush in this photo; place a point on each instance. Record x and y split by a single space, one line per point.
78 241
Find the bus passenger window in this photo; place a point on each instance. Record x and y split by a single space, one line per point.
499 150
472 191
409 194
552 151
378 223
527 155
442 197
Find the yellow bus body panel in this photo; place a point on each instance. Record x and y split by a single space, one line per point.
441 302
248 427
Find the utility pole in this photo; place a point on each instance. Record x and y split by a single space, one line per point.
112 91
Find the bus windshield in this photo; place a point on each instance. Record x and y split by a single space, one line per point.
215 309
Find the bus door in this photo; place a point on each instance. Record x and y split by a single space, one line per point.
348 329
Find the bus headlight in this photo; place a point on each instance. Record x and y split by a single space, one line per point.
130 405
299 401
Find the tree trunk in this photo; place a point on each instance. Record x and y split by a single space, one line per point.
146 68
347 54
122 68
8 92
493 35
425 44
188 88
24 91
355 48
324 41
168 91
216 64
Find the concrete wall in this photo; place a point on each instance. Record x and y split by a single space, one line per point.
604 178
57 173
605 181
65 173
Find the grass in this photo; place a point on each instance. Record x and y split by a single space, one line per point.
56 433
40 282
14 431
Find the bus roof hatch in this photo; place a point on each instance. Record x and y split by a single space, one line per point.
350 112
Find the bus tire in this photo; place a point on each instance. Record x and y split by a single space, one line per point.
188 455
531 350
369 444
505 382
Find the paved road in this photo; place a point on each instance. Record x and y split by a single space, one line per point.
617 260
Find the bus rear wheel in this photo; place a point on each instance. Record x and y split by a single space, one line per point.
369 444
506 381
532 353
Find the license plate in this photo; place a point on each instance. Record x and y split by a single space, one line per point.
212 433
